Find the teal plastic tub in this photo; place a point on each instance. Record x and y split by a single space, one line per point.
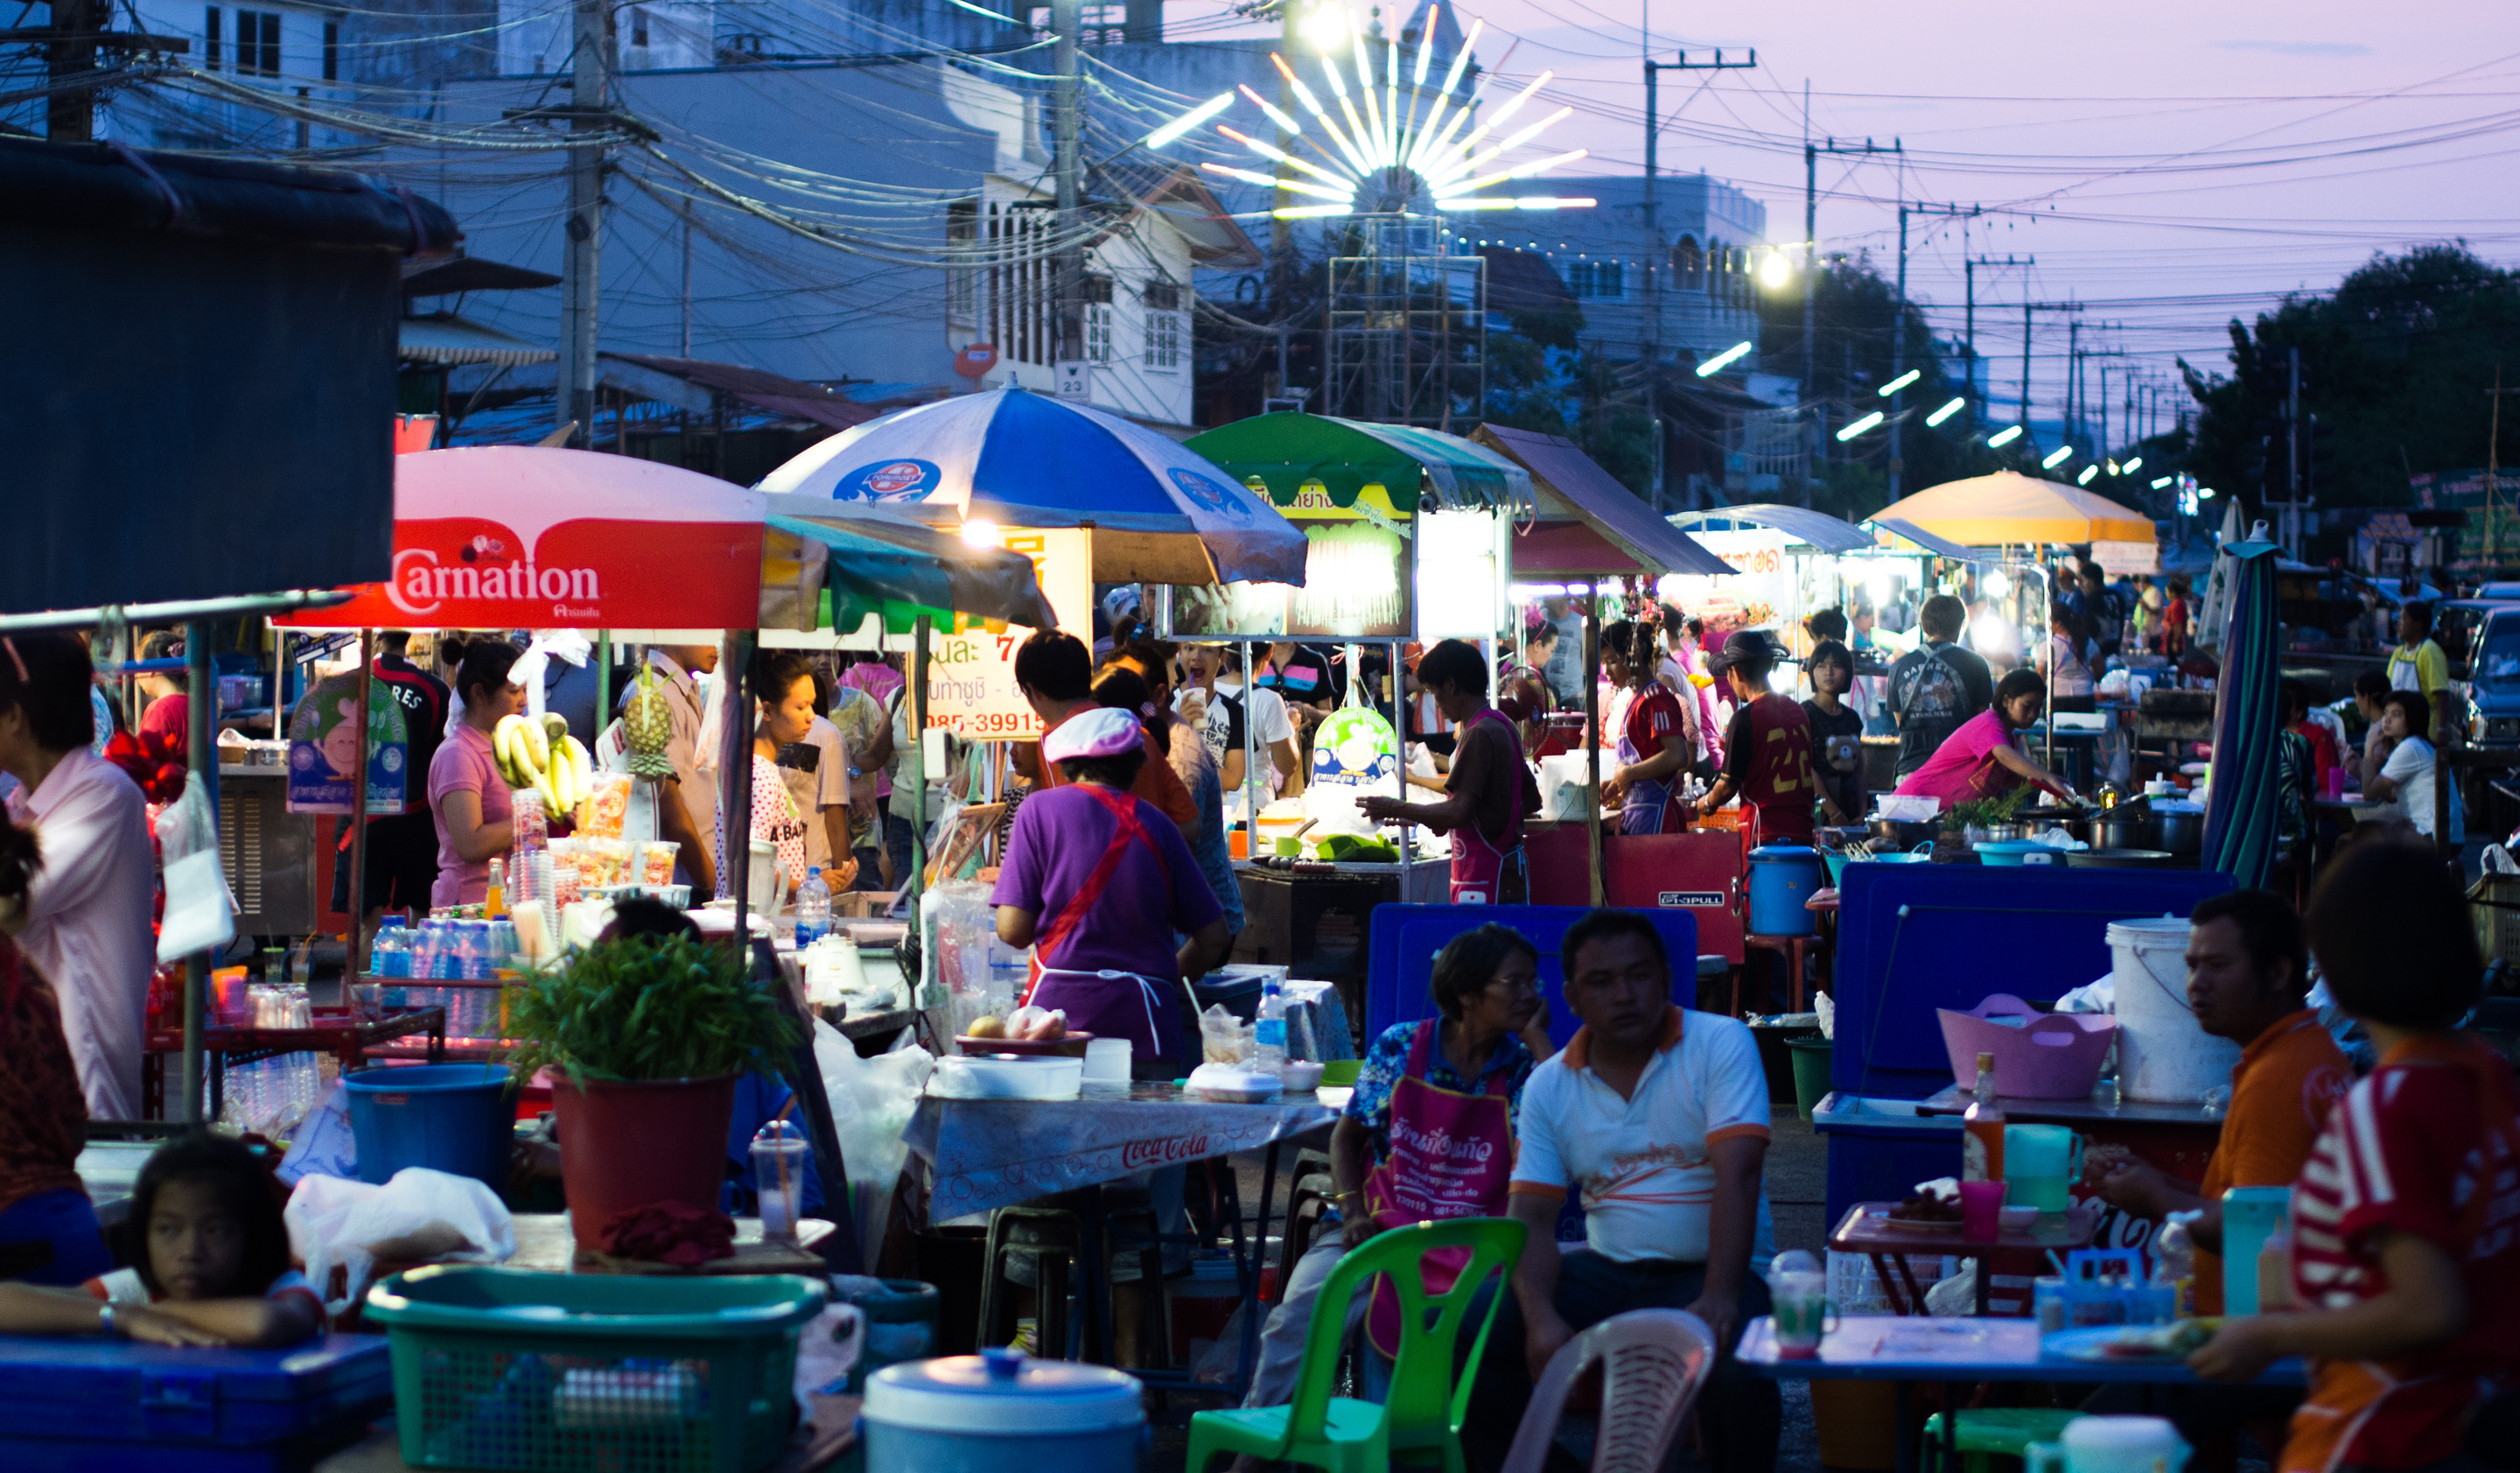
505 1369
2018 851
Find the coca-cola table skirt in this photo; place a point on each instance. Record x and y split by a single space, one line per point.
985 1154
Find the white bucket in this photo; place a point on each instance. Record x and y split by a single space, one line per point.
2164 1058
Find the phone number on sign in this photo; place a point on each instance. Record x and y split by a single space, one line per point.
990 726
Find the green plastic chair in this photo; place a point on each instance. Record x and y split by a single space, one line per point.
1985 1429
1425 1409
1340 1074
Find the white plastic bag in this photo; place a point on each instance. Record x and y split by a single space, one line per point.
419 1215
200 912
871 1101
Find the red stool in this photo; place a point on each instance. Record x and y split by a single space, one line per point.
1792 951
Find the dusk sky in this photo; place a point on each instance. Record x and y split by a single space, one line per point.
2169 163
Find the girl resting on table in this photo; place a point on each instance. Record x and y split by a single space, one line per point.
1099 883
214 1267
1983 758
2405 1259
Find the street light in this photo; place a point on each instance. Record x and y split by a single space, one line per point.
2004 436
1777 273
1189 120
1326 27
1860 426
2056 457
982 533
1901 382
2132 466
2089 471
1716 365
2160 482
1946 412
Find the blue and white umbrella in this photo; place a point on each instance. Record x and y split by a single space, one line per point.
1021 459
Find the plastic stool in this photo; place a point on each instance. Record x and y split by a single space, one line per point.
1053 1238
1791 951
2007 1430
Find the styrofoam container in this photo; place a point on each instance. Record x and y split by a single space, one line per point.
2047 1056
2165 1057
1007 1077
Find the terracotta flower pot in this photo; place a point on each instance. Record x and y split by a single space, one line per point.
628 1143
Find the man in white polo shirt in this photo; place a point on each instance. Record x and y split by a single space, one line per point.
1660 1116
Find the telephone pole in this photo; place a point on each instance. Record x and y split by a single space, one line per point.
590 112
1899 328
1649 346
1069 289
1969 277
1811 228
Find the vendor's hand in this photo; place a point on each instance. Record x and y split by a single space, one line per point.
840 876
1614 788
1721 1313
1541 1341
150 1327
1357 1225
2132 1185
2241 1349
1535 1033
1379 810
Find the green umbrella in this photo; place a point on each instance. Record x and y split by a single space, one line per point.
1285 452
896 569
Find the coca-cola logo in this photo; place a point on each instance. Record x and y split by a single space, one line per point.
1172 1150
421 584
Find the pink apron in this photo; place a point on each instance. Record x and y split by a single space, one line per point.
1452 1156
1483 871
1104 1003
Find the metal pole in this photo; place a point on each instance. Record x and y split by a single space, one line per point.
1899 355
1400 741
2027 432
602 680
917 696
590 90
735 785
1593 733
201 756
182 610
358 892
1066 16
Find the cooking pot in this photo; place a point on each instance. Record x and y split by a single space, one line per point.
2075 821
2180 833
2000 833
2124 827
1903 833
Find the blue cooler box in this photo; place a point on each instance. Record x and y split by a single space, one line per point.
90 1405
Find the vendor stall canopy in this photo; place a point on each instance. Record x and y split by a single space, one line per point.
1160 512
1285 453
1585 522
525 536
2008 507
1802 524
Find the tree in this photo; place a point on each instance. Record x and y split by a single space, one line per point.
2395 365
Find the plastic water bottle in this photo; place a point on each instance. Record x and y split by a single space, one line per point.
423 961
389 954
1269 1029
813 909
2174 1262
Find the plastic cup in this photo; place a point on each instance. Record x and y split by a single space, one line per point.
1107 1061
1981 1211
779 1157
1804 1314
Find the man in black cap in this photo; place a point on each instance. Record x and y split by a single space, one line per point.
1766 749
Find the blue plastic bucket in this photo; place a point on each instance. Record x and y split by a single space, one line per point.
452 1118
1782 877
2018 851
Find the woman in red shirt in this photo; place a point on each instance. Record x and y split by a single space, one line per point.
2406 1217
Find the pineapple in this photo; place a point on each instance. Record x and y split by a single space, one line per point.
647 725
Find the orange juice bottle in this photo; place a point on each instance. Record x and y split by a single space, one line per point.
494 902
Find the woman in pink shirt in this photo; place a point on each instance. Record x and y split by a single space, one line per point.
1980 760
465 793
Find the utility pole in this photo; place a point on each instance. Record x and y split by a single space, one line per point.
1968 278
2494 470
590 87
1650 349
1811 241
2073 380
687 278
2291 535
1068 299
1899 329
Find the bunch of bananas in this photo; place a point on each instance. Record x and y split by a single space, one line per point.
543 757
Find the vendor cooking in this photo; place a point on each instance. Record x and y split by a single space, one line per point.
1982 759
1490 789
1767 748
1099 883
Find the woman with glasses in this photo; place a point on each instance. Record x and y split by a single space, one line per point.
1428 1133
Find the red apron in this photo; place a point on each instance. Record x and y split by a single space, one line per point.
1452 1156
1486 873
1105 1003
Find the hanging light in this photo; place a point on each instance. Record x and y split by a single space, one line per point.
2089 471
981 532
2056 457
1860 426
1719 361
1901 382
2004 436
1946 412
1777 273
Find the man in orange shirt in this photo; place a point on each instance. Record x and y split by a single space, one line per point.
2248 969
1056 673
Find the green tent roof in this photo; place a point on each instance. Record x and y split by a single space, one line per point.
1285 452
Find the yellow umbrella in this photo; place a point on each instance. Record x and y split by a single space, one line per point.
1990 511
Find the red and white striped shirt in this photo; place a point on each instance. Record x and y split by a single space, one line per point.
2428 1145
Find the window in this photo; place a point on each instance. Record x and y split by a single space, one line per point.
257 43
211 37
638 26
1596 279
962 249
1164 340
332 51
1162 295
1687 263
1098 332
1096 288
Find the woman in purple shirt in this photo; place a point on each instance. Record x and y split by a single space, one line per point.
1099 884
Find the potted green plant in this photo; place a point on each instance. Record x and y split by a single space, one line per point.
1966 825
645 1039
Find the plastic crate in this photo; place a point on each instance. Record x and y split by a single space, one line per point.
88 1403
2495 901
500 1368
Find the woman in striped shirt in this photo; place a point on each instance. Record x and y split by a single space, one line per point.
2407 1216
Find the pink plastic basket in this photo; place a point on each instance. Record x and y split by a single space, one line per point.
2052 1056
